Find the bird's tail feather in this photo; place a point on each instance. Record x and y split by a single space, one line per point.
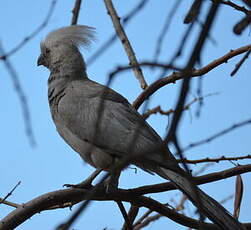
209 207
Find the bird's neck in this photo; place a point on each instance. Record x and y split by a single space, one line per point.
63 72
71 67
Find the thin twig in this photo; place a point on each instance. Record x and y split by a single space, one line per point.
216 160
11 204
33 34
242 25
147 221
171 136
158 109
141 219
21 96
235 6
125 20
132 214
10 193
151 89
165 28
164 66
75 12
208 178
193 12
124 214
239 64
219 134
125 42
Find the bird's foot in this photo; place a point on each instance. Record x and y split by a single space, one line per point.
111 185
87 183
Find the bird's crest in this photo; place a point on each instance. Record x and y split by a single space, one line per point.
76 35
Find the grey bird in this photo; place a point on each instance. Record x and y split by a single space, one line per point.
105 138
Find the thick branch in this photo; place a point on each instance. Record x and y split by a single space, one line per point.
45 201
60 197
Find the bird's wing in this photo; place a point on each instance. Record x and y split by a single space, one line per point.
120 126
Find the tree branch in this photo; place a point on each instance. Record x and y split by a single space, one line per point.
60 197
125 42
75 12
47 200
151 89
33 34
217 160
208 178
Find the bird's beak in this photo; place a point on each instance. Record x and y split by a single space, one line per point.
40 60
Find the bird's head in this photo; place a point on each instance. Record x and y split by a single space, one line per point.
61 47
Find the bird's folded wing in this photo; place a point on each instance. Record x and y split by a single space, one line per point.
105 119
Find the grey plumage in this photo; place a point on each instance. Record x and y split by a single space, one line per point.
74 103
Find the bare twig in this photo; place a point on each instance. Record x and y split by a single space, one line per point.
151 89
143 64
208 178
75 12
219 134
125 42
239 64
193 12
158 109
247 2
33 34
171 136
10 193
165 28
11 204
125 21
235 6
242 25
124 214
132 214
147 221
21 96
141 219
216 160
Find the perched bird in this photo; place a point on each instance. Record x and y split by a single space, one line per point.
103 127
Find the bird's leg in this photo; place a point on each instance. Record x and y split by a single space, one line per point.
111 183
87 183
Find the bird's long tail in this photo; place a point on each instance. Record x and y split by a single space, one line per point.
207 205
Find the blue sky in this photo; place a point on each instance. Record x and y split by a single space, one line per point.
53 163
